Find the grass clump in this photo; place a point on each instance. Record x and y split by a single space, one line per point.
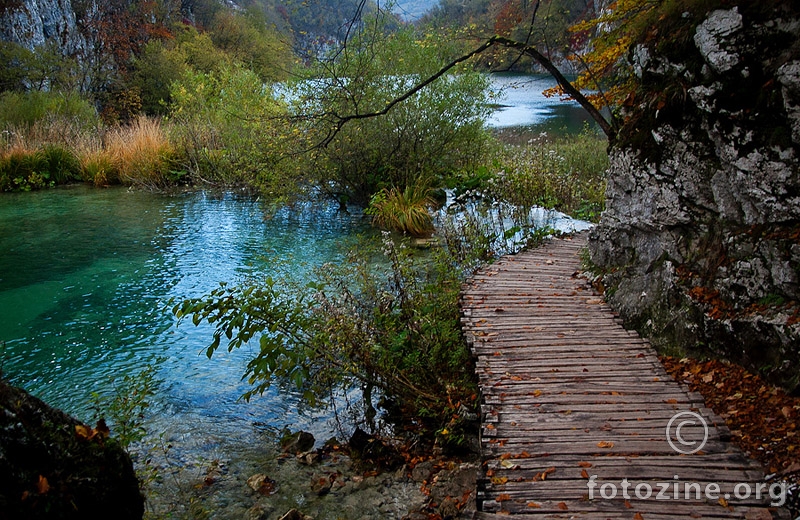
403 210
142 154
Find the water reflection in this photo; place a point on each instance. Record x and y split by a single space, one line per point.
521 104
88 275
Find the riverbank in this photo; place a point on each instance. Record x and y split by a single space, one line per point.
262 482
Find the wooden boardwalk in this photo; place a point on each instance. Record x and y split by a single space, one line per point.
572 399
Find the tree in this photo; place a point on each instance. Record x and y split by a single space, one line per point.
422 134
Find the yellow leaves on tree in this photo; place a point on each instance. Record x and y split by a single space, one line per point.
606 74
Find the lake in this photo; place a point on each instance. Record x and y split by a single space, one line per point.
521 104
86 275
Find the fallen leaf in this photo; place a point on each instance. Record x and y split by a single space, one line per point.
563 506
638 516
722 502
585 464
84 432
605 444
533 505
584 473
499 481
503 497
42 486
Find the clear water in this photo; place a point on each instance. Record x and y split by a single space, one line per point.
86 274
521 104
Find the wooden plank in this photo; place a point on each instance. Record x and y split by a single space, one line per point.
568 392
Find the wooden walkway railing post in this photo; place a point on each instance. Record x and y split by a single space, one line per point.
576 409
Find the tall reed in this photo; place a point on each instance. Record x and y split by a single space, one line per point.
141 153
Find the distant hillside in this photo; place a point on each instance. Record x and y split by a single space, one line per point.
412 10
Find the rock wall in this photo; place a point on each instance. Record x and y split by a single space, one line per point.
699 248
32 23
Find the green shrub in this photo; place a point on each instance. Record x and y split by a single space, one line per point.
430 135
23 109
23 170
567 174
97 167
392 325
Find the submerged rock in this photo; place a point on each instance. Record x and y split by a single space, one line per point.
53 466
298 442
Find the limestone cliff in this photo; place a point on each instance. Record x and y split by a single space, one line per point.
699 247
32 24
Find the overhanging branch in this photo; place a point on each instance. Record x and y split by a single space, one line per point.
608 127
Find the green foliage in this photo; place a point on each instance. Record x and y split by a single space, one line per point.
567 174
20 170
125 409
250 41
403 210
153 72
22 110
428 136
392 325
230 129
62 164
41 69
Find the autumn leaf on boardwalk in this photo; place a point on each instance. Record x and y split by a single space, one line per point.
563 506
584 473
605 444
533 505
584 464
638 516
42 486
503 497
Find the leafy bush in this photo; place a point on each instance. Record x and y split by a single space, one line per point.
393 326
22 110
23 170
231 129
429 135
62 164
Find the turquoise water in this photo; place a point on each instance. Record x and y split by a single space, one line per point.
86 274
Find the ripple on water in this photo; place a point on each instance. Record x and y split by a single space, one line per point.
86 281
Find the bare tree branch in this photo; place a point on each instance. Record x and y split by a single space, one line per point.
608 127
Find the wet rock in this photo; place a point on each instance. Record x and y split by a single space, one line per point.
454 489
56 467
321 484
298 442
262 484
309 458
257 512
370 452
422 471
697 246
294 514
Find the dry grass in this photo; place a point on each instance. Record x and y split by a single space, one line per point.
141 153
